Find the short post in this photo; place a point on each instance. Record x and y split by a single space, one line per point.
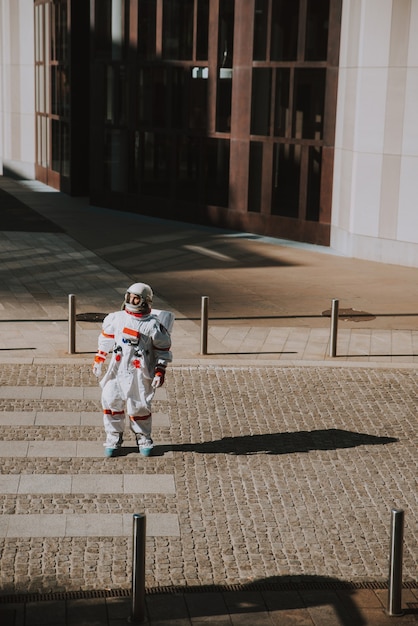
71 323
395 563
334 328
138 569
204 326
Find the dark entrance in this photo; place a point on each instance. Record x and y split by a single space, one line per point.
62 94
217 111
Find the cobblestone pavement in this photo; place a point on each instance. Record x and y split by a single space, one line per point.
286 473
275 467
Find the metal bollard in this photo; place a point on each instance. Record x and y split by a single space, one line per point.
334 328
204 326
71 323
138 569
395 563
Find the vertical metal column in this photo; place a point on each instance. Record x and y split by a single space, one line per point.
204 326
395 563
138 569
71 323
334 328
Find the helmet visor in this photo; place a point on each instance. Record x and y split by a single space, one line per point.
134 298
135 302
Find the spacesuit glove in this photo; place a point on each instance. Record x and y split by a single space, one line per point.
97 369
159 376
97 364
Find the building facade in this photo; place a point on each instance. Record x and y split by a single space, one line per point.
294 119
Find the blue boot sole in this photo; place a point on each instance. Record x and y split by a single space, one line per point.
145 451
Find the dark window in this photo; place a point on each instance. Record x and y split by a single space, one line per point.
260 30
202 30
134 162
146 28
281 103
154 165
178 29
314 183
152 97
60 90
308 108
285 180
225 54
59 34
116 97
284 30
217 172
178 96
188 168
226 33
316 45
165 111
60 147
197 101
42 133
115 160
65 149
189 98
255 172
110 28
55 146
103 22
118 30
223 104
260 101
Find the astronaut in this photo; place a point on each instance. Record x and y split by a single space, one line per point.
139 344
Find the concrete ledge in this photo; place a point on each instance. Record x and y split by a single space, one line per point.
56 418
61 449
87 484
86 525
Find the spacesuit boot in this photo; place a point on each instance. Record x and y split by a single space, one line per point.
141 426
145 445
114 422
112 448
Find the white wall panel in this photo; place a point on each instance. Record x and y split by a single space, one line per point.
17 86
408 203
350 33
370 110
395 108
366 194
375 210
413 38
346 114
410 130
389 196
376 26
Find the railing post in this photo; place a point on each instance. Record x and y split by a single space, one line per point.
204 326
71 323
395 563
138 569
334 328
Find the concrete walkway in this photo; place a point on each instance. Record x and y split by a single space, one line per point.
267 297
276 466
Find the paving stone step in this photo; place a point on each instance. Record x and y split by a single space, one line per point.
87 483
85 525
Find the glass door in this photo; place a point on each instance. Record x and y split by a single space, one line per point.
52 92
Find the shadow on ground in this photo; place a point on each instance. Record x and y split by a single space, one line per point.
17 216
278 443
314 600
285 599
273 443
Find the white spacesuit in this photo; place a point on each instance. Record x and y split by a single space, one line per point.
140 343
